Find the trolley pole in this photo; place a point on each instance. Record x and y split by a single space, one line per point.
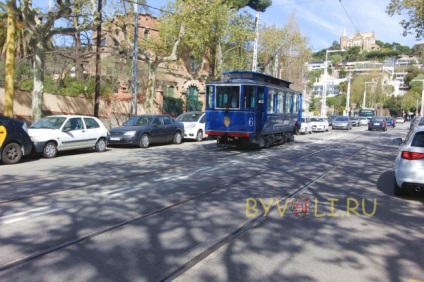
134 81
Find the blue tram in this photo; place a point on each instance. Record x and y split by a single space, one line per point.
250 109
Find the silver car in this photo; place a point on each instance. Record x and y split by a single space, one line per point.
409 163
342 122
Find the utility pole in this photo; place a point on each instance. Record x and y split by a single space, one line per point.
348 96
98 46
255 46
134 81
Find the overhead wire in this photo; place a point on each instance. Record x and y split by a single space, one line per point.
348 16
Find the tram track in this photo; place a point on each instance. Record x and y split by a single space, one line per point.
158 210
110 177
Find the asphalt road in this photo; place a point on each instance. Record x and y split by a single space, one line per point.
195 212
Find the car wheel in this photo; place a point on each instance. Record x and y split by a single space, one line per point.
100 145
11 153
144 141
396 189
199 136
310 131
178 138
50 150
369 129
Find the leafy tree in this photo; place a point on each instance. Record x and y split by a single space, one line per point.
414 9
41 29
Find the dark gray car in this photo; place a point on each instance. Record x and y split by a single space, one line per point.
144 130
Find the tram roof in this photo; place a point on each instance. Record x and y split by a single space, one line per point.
240 76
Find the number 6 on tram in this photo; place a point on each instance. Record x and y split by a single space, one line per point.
250 109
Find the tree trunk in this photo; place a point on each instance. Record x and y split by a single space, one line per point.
10 64
38 90
151 82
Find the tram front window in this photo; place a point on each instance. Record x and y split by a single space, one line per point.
228 97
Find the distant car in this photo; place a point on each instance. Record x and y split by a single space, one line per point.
342 122
391 121
400 120
363 120
53 134
194 125
319 124
144 130
355 121
14 140
409 163
377 123
306 126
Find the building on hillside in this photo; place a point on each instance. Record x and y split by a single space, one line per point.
366 41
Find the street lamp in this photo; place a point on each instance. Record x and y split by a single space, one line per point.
422 95
347 111
324 93
365 92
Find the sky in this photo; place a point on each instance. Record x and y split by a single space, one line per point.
324 21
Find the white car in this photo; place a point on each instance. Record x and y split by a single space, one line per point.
52 134
319 124
400 120
306 126
363 121
194 125
409 163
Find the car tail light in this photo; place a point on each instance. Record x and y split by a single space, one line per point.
412 156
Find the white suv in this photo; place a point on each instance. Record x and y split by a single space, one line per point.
67 132
194 125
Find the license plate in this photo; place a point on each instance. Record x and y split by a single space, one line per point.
115 138
377 123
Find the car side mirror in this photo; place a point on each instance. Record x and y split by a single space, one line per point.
155 125
397 141
66 129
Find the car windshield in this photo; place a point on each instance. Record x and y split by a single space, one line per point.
138 120
377 119
189 117
342 119
317 119
49 123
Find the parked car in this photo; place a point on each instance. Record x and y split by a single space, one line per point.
377 123
355 121
144 130
390 121
363 120
409 163
416 121
330 119
14 140
305 126
319 124
53 134
342 122
194 125
400 120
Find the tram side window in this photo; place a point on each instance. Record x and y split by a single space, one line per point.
295 103
209 93
280 103
228 97
290 102
271 98
249 97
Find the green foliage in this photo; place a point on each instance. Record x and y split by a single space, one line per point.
193 105
381 55
172 106
257 5
414 10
